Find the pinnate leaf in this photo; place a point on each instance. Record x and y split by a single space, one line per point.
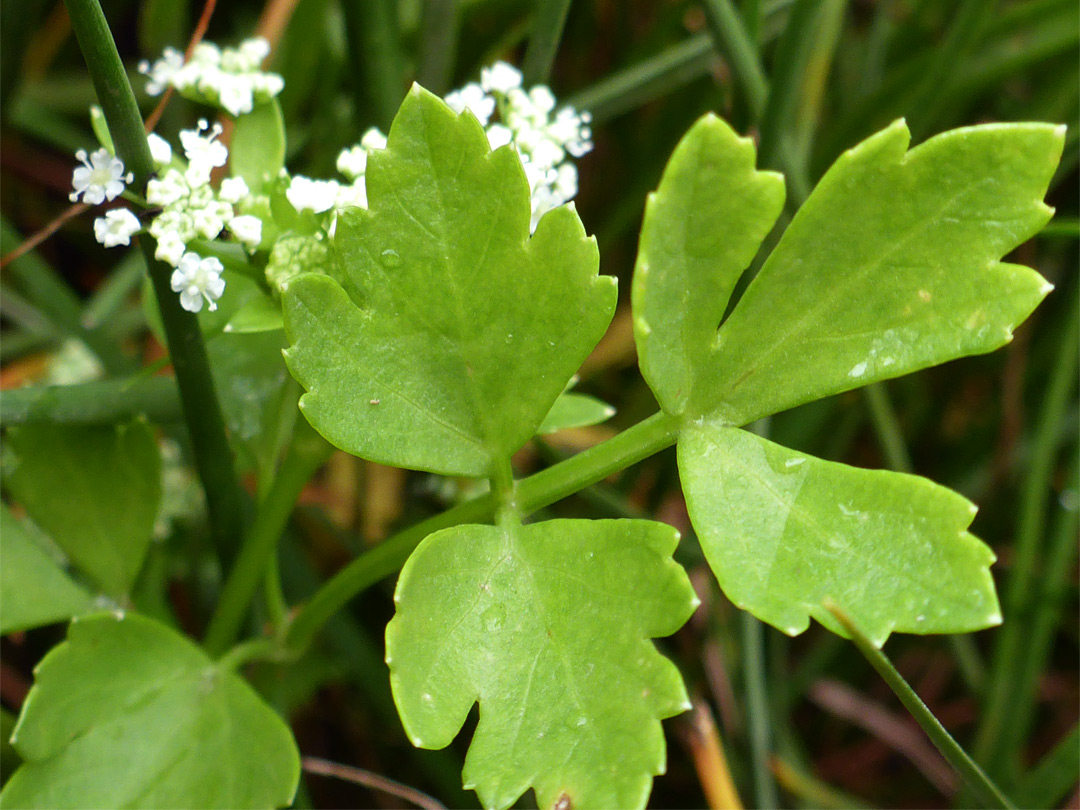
702 227
94 490
34 589
128 713
548 627
448 332
782 531
891 265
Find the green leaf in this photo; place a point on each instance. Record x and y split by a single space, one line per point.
34 589
702 227
101 128
259 314
890 266
128 713
257 151
575 410
547 626
782 531
453 332
93 490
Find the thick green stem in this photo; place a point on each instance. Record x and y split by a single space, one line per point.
532 493
306 453
544 41
94 403
956 756
202 411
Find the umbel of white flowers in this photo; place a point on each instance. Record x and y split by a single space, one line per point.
547 139
190 209
229 78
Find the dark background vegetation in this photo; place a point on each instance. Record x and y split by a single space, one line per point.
1000 429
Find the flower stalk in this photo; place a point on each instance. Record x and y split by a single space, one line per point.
202 411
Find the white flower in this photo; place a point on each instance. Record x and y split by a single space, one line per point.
209 220
373 139
498 135
204 153
247 229
100 178
229 77
500 78
170 249
352 196
542 98
473 98
352 162
116 227
161 74
196 279
160 150
233 190
312 195
253 51
165 191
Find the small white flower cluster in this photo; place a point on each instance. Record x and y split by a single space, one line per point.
190 208
101 177
227 77
544 137
318 196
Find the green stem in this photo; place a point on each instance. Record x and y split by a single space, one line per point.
277 608
532 493
792 56
1062 228
1045 615
995 738
964 765
371 28
967 28
306 453
891 439
1049 782
648 80
731 38
438 44
544 41
751 15
256 649
202 411
93 403
372 566
887 427
757 709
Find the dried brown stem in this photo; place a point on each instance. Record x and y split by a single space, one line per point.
359 776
